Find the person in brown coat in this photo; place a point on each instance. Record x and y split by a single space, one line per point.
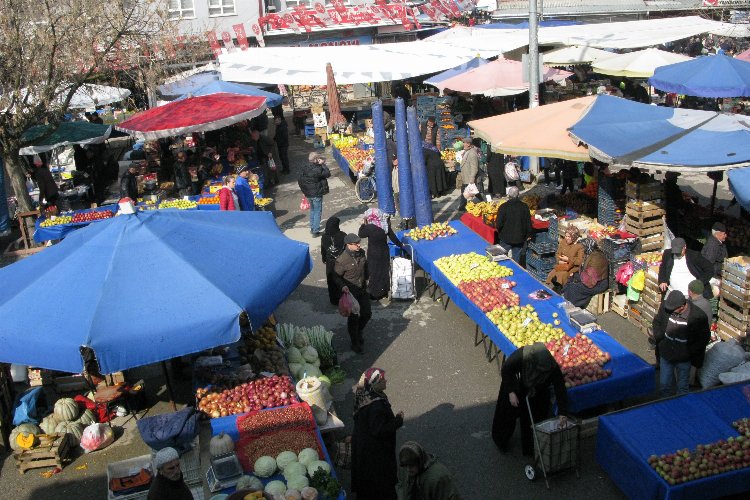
569 258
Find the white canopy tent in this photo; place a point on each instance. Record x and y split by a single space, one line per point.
579 54
638 64
91 95
351 64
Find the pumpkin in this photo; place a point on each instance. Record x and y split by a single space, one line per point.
26 440
48 424
26 428
220 444
73 428
66 410
87 418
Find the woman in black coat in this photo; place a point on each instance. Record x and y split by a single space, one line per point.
331 246
496 173
374 469
376 228
436 178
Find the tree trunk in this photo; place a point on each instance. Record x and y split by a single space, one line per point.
17 173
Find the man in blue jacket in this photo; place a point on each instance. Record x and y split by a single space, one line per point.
243 190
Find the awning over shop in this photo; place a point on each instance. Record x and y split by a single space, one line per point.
147 287
638 64
540 131
707 76
627 133
48 137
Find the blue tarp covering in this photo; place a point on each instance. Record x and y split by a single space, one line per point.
188 84
707 76
622 132
627 438
474 63
739 184
146 287
234 88
631 376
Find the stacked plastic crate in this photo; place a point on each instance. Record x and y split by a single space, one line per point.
540 256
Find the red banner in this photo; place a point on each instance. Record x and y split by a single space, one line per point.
214 43
228 42
239 31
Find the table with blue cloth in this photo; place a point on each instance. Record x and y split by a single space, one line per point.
42 234
627 438
631 375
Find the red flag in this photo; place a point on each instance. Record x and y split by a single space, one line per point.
439 7
214 42
228 42
414 13
452 7
302 17
431 12
257 31
319 7
239 31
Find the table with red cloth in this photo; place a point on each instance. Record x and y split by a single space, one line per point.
489 233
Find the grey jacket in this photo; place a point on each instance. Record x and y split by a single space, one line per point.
715 252
469 166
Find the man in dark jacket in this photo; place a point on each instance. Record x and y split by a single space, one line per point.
282 142
513 223
129 184
714 250
680 266
182 179
350 273
48 190
312 181
681 333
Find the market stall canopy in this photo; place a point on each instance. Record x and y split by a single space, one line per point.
91 96
638 64
474 63
743 56
188 81
500 77
625 133
147 287
217 87
707 76
739 184
194 114
43 138
353 63
540 131
579 54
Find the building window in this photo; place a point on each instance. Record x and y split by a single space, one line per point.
220 7
181 9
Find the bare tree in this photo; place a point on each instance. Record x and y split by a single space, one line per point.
50 48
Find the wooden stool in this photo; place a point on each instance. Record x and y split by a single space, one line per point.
109 395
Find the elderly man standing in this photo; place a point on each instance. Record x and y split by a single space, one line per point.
513 223
680 266
168 483
350 274
715 251
469 169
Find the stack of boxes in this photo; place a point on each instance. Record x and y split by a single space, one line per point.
643 312
540 256
644 213
734 299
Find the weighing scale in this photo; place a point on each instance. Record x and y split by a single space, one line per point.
224 472
497 253
583 321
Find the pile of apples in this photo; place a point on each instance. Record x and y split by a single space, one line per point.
491 293
743 426
56 221
268 392
430 232
356 157
580 360
92 216
721 456
521 325
470 267
179 204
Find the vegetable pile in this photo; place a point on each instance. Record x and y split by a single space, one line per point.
254 395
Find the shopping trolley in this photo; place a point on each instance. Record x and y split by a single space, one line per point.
402 280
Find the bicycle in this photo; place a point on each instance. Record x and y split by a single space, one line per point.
365 187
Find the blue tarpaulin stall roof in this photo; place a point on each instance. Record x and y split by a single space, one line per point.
147 287
189 84
626 133
707 76
739 184
461 68
216 87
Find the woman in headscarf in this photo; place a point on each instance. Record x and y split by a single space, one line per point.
331 246
528 372
376 228
422 477
374 469
569 258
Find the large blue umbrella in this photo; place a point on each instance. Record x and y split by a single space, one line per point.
625 133
708 76
461 68
234 88
739 184
143 288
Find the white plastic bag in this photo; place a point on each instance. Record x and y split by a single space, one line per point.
471 191
96 436
401 279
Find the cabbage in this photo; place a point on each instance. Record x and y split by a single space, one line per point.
249 483
297 482
325 380
294 368
311 370
265 466
295 469
294 355
275 488
307 456
316 363
318 464
285 458
301 340
309 353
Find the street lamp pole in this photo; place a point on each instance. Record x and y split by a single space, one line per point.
533 54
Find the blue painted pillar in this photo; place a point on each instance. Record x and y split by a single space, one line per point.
405 187
382 162
422 201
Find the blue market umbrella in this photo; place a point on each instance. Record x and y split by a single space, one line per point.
707 76
234 88
41 138
626 133
739 184
143 288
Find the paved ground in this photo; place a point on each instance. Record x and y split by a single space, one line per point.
442 382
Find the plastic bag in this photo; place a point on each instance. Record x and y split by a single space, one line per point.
471 191
271 164
96 436
345 304
638 281
304 204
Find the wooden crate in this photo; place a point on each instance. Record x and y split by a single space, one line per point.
643 222
739 318
652 244
639 209
738 297
600 303
620 305
727 331
51 455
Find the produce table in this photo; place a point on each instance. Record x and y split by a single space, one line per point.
631 376
489 233
342 162
42 234
627 438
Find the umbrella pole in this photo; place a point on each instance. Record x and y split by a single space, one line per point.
169 385
713 197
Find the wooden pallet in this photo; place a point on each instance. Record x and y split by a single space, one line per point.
51 455
741 317
727 332
644 209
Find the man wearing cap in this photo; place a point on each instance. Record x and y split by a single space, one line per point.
714 250
469 170
350 274
513 224
681 333
680 266
168 483
243 190
312 181
695 296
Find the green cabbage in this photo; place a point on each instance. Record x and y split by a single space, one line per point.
285 458
301 340
275 488
311 370
265 466
307 456
295 469
297 482
294 355
309 353
318 464
249 483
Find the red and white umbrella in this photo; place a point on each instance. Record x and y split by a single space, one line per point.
194 114
336 120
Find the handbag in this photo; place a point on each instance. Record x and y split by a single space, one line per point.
271 164
304 204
